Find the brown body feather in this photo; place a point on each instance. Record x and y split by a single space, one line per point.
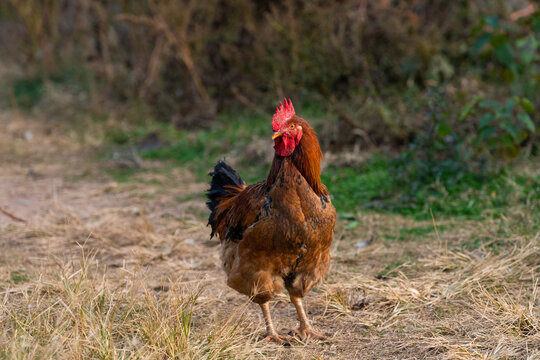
277 233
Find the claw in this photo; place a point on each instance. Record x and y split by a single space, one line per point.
275 338
304 334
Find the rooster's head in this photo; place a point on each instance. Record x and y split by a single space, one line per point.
287 129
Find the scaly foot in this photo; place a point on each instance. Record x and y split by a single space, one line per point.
305 330
276 338
305 333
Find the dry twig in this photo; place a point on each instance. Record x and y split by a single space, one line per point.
11 216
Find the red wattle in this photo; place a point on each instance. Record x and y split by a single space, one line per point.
284 145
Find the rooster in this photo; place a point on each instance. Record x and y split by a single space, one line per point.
276 233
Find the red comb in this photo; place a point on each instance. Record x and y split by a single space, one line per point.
283 113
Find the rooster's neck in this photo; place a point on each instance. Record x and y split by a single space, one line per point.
307 158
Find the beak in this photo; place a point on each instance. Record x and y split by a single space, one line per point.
276 135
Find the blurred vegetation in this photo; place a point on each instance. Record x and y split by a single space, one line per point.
376 184
445 92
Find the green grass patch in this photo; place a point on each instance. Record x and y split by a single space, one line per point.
354 188
198 150
123 175
29 90
372 187
190 197
18 276
197 212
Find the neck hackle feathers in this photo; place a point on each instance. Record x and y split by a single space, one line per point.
283 113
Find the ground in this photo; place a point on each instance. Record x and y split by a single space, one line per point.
91 267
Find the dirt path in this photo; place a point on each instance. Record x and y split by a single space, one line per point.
68 203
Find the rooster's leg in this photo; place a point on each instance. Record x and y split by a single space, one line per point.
304 330
271 333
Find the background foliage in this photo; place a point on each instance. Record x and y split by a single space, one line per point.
446 91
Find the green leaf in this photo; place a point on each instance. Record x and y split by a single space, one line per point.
443 130
525 119
509 104
527 57
527 106
468 107
492 21
507 140
478 27
490 104
499 40
346 216
481 42
511 128
485 120
521 42
509 74
536 23
504 53
352 224
485 133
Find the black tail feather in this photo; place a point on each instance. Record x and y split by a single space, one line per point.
222 177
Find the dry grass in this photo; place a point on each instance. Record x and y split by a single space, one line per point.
72 314
126 270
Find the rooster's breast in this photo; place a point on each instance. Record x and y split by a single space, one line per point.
304 220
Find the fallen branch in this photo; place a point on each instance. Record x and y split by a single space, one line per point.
10 215
526 11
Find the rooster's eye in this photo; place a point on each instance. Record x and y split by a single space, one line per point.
291 126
